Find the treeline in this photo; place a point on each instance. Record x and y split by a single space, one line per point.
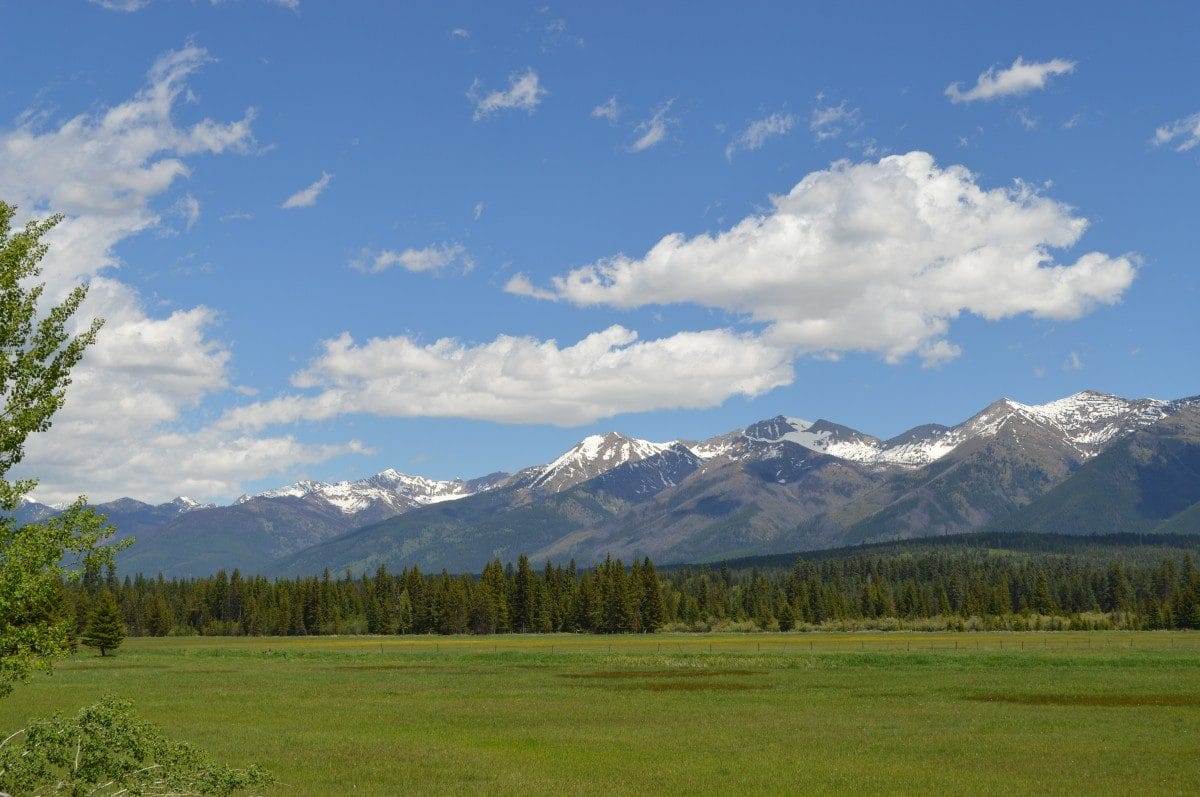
919 590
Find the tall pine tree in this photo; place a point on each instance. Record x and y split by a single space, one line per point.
105 629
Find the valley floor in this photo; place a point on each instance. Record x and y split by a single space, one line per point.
1011 712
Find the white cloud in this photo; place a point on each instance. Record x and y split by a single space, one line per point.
307 197
477 212
123 429
524 93
520 285
608 110
1020 78
654 130
430 258
831 121
460 33
237 215
938 352
757 132
1183 134
876 257
523 380
1073 362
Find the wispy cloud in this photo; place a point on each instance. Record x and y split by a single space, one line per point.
1020 78
430 258
654 130
1073 362
307 197
1182 134
758 131
830 121
126 6
1027 120
129 6
608 110
556 35
524 93
188 209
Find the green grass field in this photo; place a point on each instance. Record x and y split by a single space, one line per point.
1098 712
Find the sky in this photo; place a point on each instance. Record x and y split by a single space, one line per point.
331 238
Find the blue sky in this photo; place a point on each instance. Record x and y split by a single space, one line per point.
218 378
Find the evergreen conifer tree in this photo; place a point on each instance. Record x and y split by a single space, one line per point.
105 629
404 613
523 597
787 620
652 608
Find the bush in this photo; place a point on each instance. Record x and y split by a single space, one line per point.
105 750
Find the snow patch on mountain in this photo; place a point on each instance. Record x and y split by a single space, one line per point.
185 504
716 447
1090 420
824 437
832 439
389 489
1086 421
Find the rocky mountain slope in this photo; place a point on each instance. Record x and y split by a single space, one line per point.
779 484
524 514
1146 481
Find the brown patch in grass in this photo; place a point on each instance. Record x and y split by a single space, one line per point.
616 675
1101 701
694 686
670 680
414 668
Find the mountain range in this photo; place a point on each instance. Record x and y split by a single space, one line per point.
1090 463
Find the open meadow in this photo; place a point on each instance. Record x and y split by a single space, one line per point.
1061 712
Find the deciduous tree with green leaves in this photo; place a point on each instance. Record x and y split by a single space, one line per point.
37 353
104 749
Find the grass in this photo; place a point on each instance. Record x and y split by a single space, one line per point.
1047 713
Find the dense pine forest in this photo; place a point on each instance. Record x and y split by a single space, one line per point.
927 588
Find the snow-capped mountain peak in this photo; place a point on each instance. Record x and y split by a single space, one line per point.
833 439
592 456
1090 419
822 436
185 504
388 492
1086 422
